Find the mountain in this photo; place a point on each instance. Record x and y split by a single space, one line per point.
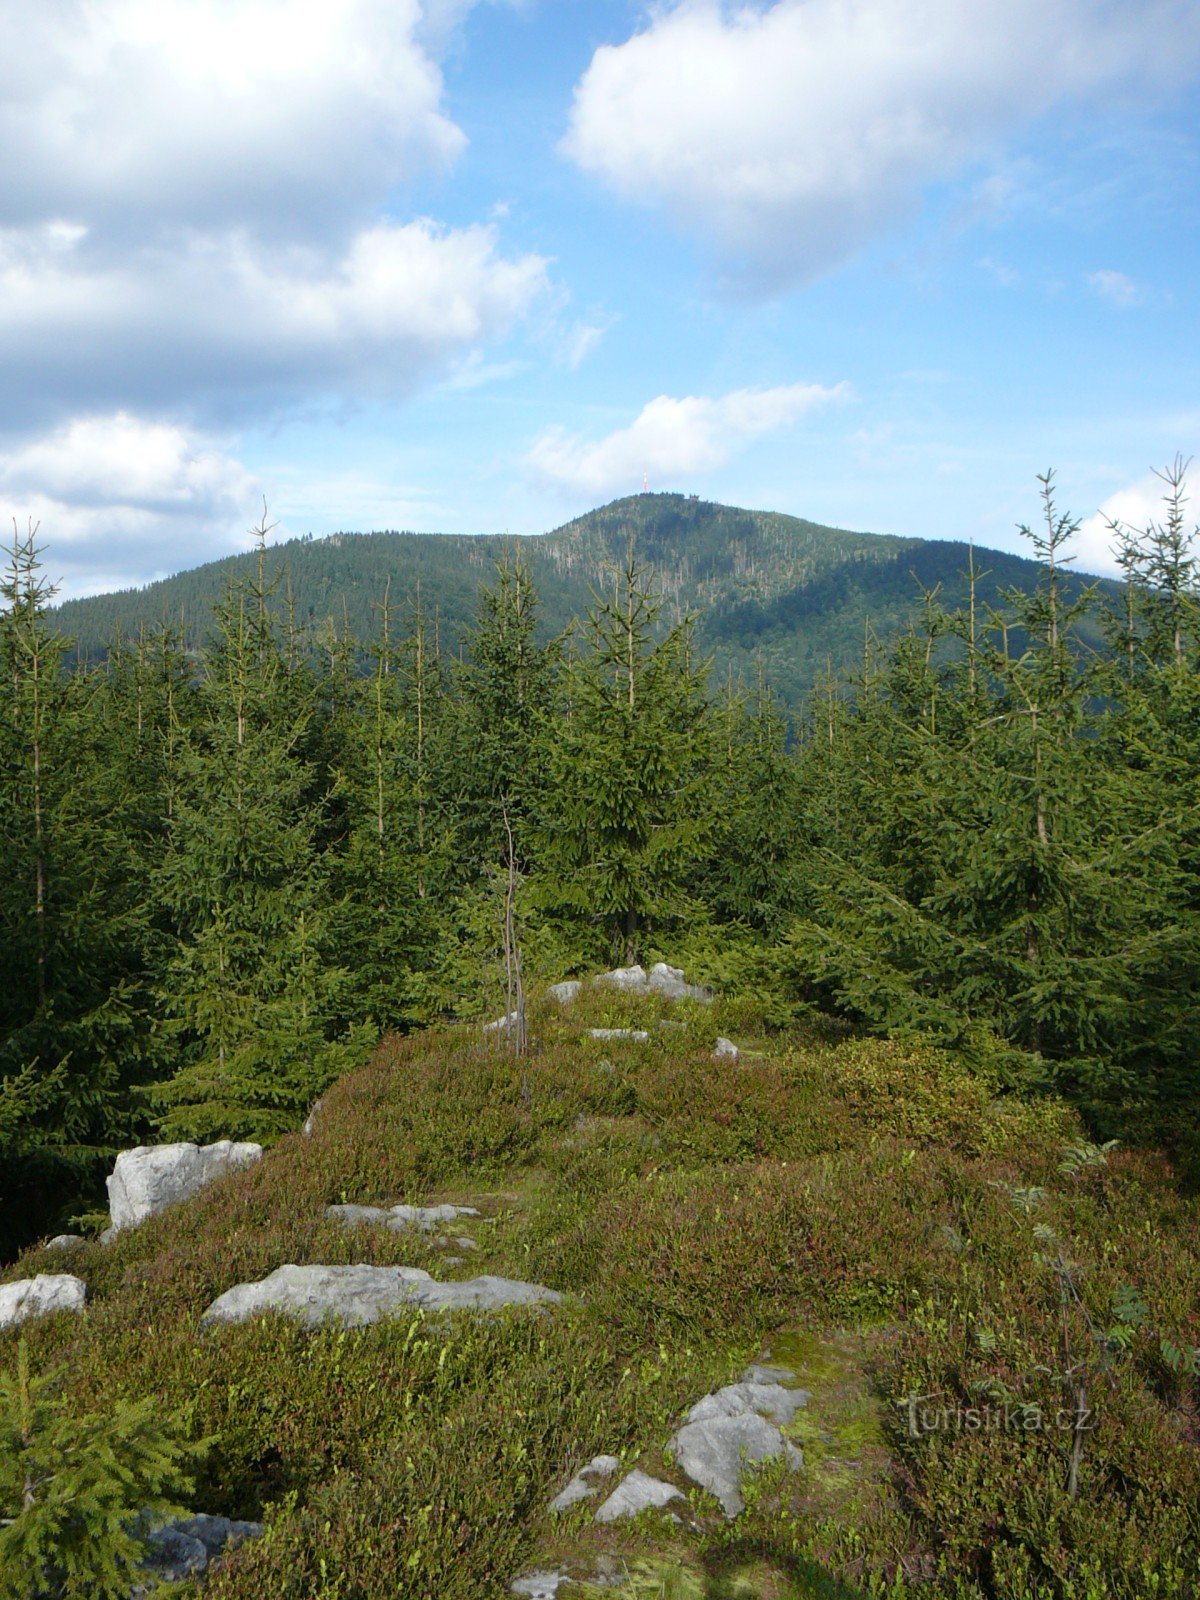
767 588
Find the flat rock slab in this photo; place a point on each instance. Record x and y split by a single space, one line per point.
147 1180
636 1493
580 1486
717 1452
564 993
40 1297
637 1035
750 1399
426 1218
360 1295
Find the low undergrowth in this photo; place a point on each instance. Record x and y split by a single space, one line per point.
860 1196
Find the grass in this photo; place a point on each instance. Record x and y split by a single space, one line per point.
860 1209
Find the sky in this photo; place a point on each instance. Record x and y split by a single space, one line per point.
477 266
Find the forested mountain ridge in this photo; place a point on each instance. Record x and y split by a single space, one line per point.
793 594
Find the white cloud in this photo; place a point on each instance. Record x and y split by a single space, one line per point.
1114 287
1134 506
786 136
222 317
205 113
198 221
120 499
673 440
579 341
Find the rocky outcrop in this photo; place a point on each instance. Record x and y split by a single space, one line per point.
636 1035
736 1428
151 1178
747 1398
186 1547
725 1049
40 1297
425 1218
360 1295
581 1487
661 979
636 1493
715 1454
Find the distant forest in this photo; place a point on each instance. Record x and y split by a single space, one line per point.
768 592
235 855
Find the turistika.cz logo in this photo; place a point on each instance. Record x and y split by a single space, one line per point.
928 1413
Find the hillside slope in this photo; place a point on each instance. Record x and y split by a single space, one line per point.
767 587
858 1212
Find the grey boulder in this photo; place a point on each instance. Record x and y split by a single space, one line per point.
636 1493
726 1050
362 1294
147 1180
748 1399
184 1548
630 978
661 979
715 1453
40 1297
64 1241
564 993
217 1534
669 981
580 1486
173 1556
637 1035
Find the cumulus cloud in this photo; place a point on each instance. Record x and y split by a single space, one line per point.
224 318
214 112
194 207
672 439
121 499
786 136
1137 505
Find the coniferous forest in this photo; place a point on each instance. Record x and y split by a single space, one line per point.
230 869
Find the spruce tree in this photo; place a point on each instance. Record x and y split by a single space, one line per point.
1007 894
78 1494
252 997
397 852
628 809
74 1024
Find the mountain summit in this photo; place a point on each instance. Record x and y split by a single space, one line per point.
766 588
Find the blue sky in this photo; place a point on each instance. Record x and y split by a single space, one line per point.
479 265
